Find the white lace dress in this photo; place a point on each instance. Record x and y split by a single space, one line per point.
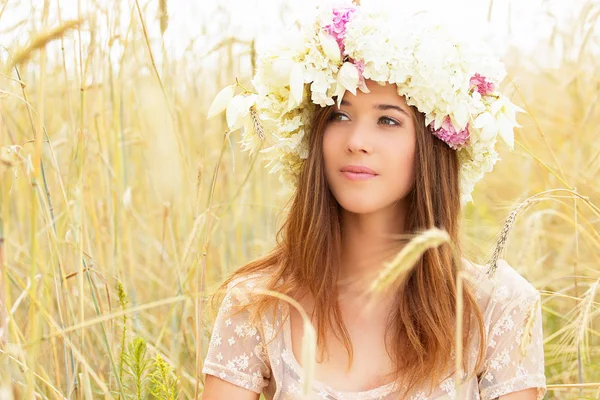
258 360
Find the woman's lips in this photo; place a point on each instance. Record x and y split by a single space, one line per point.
358 176
358 172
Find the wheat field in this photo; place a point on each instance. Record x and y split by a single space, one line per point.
122 207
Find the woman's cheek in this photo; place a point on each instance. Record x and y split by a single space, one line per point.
401 165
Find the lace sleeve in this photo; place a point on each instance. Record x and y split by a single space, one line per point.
237 352
514 357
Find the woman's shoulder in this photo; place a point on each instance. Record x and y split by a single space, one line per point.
246 281
514 340
242 288
251 292
503 286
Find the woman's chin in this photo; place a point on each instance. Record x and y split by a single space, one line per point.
356 206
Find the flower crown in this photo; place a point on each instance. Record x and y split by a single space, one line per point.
452 80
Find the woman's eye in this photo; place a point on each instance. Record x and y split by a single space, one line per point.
336 116
388 121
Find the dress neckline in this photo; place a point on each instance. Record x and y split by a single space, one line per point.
365 394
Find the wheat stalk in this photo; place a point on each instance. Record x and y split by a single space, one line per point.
163 16
574 334
41 40
256 121
584 316
408 256
528 326
508 224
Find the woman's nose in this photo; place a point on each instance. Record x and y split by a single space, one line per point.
358 139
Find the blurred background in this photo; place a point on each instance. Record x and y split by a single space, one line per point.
122 207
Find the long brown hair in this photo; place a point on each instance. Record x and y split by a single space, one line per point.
305 261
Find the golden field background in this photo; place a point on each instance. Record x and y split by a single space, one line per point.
122 207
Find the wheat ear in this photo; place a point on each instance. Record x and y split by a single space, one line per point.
508 224
256 121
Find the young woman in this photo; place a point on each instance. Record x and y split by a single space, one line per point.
370 166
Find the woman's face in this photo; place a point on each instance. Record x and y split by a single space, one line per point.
374 131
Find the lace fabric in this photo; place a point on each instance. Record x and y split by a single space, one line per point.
260 358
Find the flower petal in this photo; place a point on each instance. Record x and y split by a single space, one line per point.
237 108
280 71
330 47
487 125
506 131
461 115
362 85
482 120
339 93
221 100
348 77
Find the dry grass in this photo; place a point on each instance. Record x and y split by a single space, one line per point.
22 55
110 173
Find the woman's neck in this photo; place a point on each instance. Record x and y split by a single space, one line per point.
368 240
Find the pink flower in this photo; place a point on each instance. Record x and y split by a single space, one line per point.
483 86
448 134
360 66
338 28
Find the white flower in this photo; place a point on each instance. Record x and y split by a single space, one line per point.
297 83
221 100
347 79
505 113
330 47
237 109
319 88
461 114
487 124
499 120
280 71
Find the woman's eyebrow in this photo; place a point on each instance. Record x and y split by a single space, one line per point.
382 107
385 107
